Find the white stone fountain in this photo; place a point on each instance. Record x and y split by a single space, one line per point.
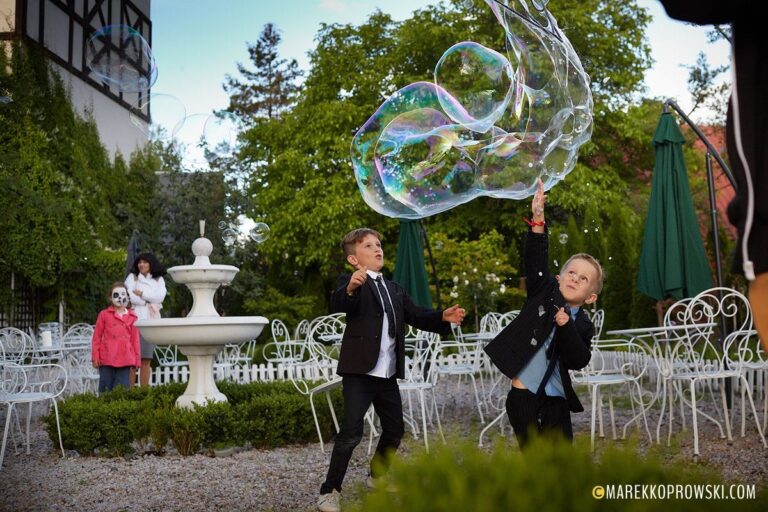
203 333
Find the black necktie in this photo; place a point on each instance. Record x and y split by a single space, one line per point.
387 306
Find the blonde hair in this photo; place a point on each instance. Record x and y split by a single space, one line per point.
598 285
356 236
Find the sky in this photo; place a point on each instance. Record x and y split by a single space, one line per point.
196 43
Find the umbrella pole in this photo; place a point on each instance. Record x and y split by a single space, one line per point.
719 266
431 263
713 213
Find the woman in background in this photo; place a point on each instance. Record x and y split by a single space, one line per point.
146 288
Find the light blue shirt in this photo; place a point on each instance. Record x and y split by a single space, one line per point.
533 372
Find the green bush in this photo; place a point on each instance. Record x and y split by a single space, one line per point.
264 414
548 476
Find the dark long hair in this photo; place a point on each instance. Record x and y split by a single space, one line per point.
155 268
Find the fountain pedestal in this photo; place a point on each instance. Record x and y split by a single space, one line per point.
203 333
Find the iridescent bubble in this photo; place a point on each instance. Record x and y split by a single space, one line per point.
229 236
220 133
223 225
259 233
492 124
563 238
166 115
475 85
120 57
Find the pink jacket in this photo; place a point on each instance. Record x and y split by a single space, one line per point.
115 339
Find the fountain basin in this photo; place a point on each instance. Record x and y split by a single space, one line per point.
201 338
219 274
201 330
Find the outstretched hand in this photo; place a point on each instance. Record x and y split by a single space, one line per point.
537 205
358 278
454 314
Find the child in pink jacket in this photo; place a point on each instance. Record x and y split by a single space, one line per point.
115 344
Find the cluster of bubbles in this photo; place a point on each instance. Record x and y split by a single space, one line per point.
491 124
121 58
259 233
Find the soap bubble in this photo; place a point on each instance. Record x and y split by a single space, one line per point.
492 124
205 135
563 238
223 225
229 236
166 114
475 85
121 58
556 263
259 233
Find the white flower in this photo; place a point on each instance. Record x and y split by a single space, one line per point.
494 294
454 295
502 289
455 279
466 283
474 270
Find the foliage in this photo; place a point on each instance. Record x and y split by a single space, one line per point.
477 274
114 424
458 476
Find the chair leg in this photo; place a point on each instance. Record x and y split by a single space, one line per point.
317 423
727 418
477 399
424 418
594 413
760 431
695 423
29 421
613 418
437 416
58 428
661 414
5 433
498 419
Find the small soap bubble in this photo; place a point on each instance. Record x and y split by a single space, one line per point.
556 263
563 238
439 245
229 236
541 274
586 231
259 233
222 225
121 58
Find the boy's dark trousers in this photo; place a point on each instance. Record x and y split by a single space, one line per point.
544 414
360 391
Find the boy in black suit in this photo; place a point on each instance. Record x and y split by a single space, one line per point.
550 336
372 354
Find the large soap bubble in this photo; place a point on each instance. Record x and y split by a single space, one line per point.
475 85
492 123
166 115
121 58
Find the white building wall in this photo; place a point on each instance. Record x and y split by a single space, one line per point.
116 128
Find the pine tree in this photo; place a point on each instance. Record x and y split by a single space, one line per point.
269 89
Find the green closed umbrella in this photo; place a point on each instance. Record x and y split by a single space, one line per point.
410 271
672 262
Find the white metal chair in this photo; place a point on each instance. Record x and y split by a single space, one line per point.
420 377
283 350
745 355
15 345
28 384
698 357
616 363
461 358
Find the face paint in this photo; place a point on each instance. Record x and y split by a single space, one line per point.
120 297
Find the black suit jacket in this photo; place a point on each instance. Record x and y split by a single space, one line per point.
516 344
365 316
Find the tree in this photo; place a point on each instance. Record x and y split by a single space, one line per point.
269 90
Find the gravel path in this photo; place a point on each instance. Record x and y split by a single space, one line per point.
286 478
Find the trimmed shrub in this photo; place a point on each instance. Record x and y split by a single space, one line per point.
550 475
264 414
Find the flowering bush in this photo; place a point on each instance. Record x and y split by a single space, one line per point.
477 274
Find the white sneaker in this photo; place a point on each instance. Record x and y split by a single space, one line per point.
329 502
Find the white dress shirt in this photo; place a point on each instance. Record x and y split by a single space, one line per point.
386 365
